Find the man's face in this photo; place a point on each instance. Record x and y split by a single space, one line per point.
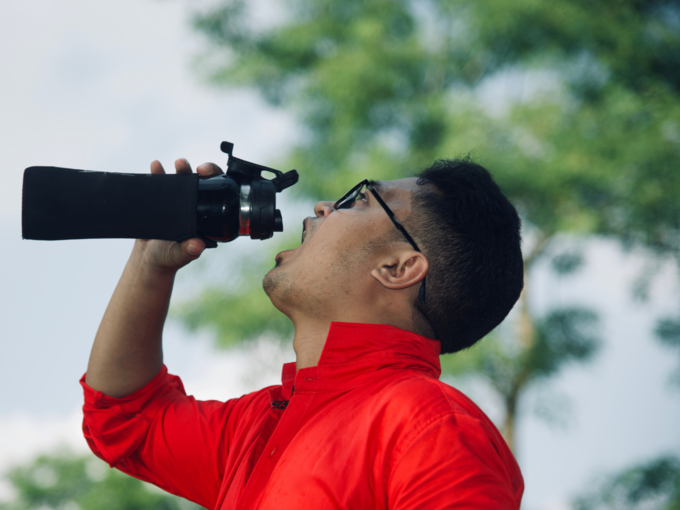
332 267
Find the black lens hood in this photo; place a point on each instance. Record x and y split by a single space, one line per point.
63 203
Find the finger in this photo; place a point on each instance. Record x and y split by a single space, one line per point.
209 169
180 254
182 166
193 248
156 167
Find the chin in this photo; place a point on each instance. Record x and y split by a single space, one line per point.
273 279
276 284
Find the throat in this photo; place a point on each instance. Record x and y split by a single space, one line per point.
308 344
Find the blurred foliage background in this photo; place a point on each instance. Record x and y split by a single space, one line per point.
69 482
588 148
586 142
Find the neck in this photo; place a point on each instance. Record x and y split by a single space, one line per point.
310 337
311 332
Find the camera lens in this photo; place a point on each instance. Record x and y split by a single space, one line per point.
217 208
278 221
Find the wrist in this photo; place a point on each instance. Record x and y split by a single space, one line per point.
146 268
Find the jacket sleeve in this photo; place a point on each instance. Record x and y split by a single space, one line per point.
454 462
160 435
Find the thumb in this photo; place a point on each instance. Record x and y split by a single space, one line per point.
192 248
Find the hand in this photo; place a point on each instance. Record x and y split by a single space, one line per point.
169 256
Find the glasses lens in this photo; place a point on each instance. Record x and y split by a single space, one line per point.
351 197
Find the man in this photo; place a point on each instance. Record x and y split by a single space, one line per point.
385 278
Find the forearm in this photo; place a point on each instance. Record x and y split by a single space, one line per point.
127 351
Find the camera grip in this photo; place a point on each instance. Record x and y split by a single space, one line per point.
62 203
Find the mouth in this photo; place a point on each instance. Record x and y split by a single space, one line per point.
279 257
304 230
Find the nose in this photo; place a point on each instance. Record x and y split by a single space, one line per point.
323 209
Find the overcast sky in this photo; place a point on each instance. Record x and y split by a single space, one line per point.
108 86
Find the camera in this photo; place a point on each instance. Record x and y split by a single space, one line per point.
62 203
241 202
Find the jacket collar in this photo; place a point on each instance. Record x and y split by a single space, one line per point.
353 352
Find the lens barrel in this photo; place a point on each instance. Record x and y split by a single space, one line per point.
217 208
263 210
226 210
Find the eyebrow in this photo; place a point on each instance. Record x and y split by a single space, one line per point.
375 185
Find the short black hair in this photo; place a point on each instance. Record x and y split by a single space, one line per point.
470 233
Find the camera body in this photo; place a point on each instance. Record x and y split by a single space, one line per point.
241 202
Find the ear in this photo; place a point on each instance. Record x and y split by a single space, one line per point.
402 270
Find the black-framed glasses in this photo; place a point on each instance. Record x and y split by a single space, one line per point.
350 198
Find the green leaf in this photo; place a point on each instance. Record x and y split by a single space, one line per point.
655 484
65 480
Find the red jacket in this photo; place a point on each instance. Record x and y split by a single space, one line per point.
370 427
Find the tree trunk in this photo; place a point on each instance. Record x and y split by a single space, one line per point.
526 332
526 336
508 428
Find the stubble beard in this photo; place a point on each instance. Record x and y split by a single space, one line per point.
273 280
292 295
277 285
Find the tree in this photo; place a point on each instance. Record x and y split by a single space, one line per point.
71 482
655 484
668 332
386 86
